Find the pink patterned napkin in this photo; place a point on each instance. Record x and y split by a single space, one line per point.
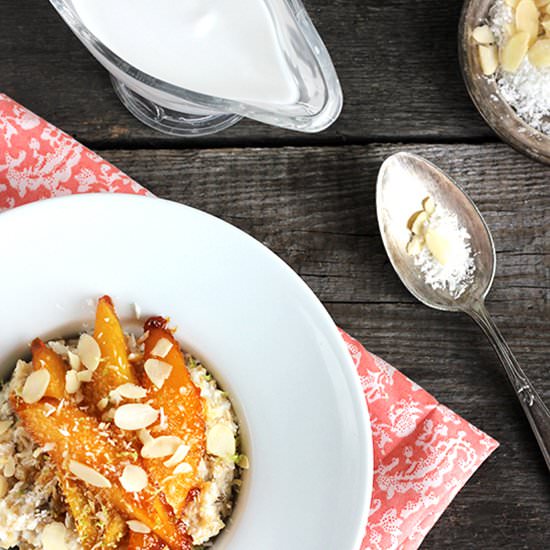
423 452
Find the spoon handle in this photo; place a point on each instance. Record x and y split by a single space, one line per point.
536 411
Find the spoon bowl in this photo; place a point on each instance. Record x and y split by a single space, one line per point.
404 181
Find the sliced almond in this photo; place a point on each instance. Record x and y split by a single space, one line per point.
546 26
135 416
183 468
412 219
4 426
4 487
483 35
542 3
88 351
439 246
243 462
134 479
514 51
131 391
510 29
159 447
88 475
85 375
103 403
162 348
53 537
178 456
74 360
72 382
419 224
145 436
137 526
539 54
220 441
429 205
415 245
527 19
511 3
157 371
488 59
35 386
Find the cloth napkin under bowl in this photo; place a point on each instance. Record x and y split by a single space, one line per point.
423 452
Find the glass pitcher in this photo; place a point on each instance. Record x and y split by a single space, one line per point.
314 105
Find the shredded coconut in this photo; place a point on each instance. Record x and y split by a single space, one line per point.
527 90
457 274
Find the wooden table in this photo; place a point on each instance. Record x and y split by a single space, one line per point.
310 198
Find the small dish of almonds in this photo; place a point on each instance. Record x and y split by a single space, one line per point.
504 48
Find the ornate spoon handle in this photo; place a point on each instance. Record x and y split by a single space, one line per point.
536 411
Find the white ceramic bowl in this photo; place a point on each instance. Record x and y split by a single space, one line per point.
259 328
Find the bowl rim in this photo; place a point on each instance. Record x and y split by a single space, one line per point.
486 96
52 206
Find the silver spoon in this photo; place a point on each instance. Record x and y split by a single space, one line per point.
403 181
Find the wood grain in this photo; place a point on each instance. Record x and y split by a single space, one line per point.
314 207
396 60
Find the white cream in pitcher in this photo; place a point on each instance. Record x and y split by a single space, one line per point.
224 48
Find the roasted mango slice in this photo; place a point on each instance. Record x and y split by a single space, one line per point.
82 509
44 357
77 438
183 408
114 368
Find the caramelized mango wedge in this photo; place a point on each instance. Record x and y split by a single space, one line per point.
78 437
44 357
139 541
183 407
82 509
114 368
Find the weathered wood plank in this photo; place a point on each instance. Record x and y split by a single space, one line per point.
315 208
397 62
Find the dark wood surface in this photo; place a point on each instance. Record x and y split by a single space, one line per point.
311 199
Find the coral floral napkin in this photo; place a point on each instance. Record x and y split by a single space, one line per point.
423 452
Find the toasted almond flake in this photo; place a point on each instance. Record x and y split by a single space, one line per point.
488 59
527 18
131 391
88 351
137 311
74 360
514 51
103 403
134 479
35 386
162 348
72 382
243 462
539 54
143 337
483 35
220 441
429 205
137 527
159 447
9 467
4 426
3 486
415 245
439 246
183 468
88 475
157 371
418 225
85 375
53 537
178 456
135 416
145 436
